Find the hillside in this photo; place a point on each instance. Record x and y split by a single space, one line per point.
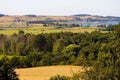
8 20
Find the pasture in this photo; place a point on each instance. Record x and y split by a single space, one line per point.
39 30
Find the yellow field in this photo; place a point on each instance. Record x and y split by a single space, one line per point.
39 30
45 73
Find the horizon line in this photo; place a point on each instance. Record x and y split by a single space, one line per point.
58 15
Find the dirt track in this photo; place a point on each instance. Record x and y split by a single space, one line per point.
44 73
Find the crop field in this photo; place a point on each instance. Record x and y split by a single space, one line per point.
39 30
45 73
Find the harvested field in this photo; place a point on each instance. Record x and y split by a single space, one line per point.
44 73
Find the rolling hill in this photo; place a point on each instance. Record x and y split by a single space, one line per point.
8 20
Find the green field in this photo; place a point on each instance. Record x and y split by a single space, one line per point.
39 30
1 56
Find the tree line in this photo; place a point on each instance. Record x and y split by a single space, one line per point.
55 48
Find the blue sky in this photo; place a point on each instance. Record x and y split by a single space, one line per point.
60 7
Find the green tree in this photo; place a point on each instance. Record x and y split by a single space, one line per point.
20 49
6 70
34 58
59 45
12 47
21 32
5 47
117 31
70 52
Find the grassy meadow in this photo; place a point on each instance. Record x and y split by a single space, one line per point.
50 29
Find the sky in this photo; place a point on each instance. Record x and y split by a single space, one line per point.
60 7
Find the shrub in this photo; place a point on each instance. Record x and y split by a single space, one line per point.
58 77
